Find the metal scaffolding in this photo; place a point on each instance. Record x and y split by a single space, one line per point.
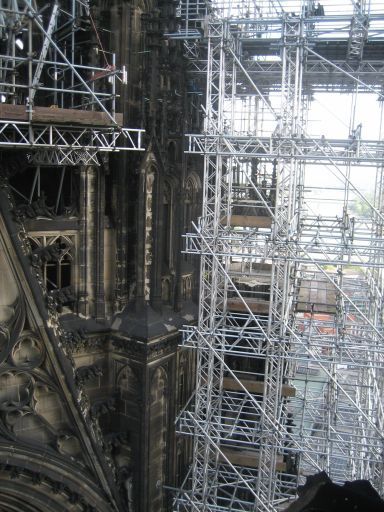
58 84
289 342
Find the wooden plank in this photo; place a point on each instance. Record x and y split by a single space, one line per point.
262 267
255 305
303 307
254 386
253 275
53 115
248 221
316 295
321 298
13 112
251 280
331 297
253 268
248 458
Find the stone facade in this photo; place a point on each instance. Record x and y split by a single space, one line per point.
93 292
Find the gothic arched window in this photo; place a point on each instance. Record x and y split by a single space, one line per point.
190 206
158 436
172 152
167 225
187 287
56 254
166 290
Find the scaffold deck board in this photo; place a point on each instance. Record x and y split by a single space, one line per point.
256 274
56 115
249 458
254 386
254 305
252 280
253 268
248 221
316 295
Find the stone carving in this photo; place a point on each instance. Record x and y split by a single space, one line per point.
116 440
103 407
63 296
77 340
143 351
74 337
43 255
86 373
16 390
28 352
55 486
35 209
68 444
4 341
79 334
125 477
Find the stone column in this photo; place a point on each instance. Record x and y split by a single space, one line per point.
157 244
97 242
83 306
91 243
121 291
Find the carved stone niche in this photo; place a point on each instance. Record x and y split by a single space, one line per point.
32 410
128 384
68 444
87 373
8 290
35 209
28 352
103 407
16 389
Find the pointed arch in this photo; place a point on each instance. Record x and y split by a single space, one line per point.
159 384
57 272
167 223
172 152
29 481
166 291
158 437
192 187
128 383
182 380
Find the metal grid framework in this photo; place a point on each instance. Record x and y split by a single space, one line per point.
51 55
290 355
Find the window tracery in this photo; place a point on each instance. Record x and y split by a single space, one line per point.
57 272
167 225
